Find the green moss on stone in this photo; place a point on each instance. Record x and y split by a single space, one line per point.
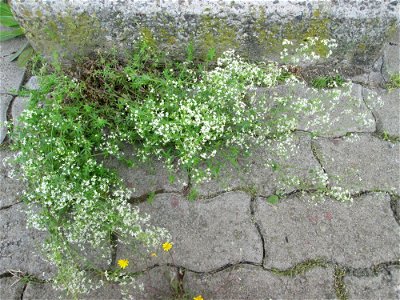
66 34
216 34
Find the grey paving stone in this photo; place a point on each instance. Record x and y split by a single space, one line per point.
7 48
147 177
11 76
5 101
391 61
18 106
265 172
156 284
251 282
42 291
11 288
347 114
20 247
361 163
381 286
358 235
32 83
388 116
11 188
206 234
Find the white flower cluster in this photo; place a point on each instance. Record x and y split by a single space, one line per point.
311 50
75 198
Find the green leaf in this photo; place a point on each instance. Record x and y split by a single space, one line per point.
18 53
5 10
150 198
7 35
25 56
8 21
273 199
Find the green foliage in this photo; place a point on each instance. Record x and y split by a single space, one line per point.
273 199
394 82
7 19
182 113
328 82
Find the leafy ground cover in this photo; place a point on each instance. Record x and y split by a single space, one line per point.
183 113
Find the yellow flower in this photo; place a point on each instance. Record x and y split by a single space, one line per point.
167 246
153 254
123 263
199 297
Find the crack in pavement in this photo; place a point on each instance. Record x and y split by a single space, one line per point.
253 208
9 206
394 205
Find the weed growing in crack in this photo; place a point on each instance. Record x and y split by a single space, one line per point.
186 114
394 82
327 82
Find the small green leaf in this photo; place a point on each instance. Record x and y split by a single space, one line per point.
273 199
150 198
193 194
5 9
25 56
7 35
171 179
8 21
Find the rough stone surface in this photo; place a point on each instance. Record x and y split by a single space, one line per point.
361 163
148 177
194 227
251 282
11 76
255 28
8 48
347 114
18 106
381 286
157 284
387 115
10 187
32 83
19 247
11 288
359 235
391 56
5 101
256 174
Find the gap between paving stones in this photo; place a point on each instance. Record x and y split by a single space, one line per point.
253 208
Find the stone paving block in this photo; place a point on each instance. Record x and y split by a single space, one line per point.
11 76
11 288
18 106
257 174
32 83
5 101
391 57
20 247
388 116
251 282
156 284
206 234
347 114
8 48
361 163
42 291
148 177
11 188
358 235
381 286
